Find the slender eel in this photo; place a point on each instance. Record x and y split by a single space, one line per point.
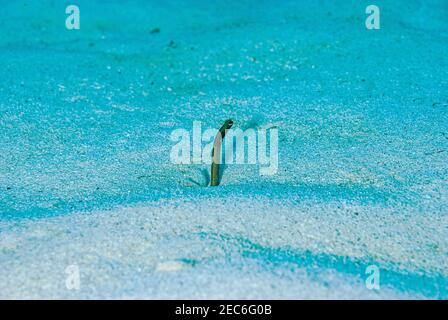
214 181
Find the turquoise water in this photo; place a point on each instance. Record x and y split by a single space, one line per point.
86 117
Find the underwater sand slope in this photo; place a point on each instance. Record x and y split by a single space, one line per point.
85 124
227 248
